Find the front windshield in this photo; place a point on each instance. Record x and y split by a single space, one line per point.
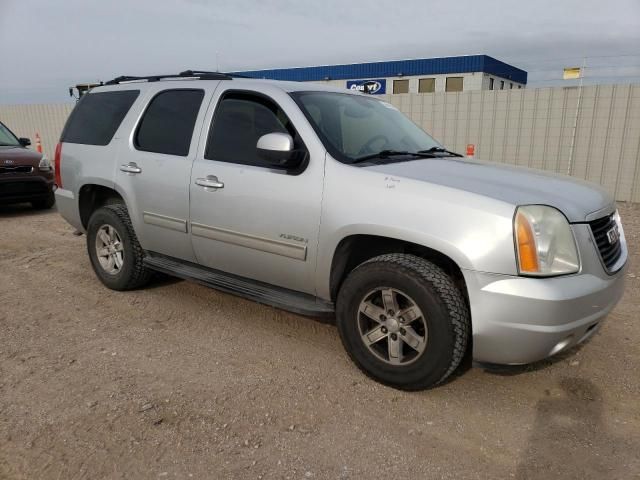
354 126
7 139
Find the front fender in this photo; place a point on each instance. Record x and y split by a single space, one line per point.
474 231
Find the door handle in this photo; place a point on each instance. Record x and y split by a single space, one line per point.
130 168
210 182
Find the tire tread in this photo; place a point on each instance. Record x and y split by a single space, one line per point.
140 275
451 296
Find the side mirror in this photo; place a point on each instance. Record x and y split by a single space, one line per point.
277 150
25 142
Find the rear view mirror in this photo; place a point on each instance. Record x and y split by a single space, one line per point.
25 142
277 150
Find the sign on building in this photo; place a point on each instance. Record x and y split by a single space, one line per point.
571 73
373 87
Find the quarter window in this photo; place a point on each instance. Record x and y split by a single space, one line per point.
167 124
97 116
454 84
427 85
401 86
240 120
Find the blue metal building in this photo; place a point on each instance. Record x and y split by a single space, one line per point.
433 71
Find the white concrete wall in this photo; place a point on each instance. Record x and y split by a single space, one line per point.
534 128
46 120
528 127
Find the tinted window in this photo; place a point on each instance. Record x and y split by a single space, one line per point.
427 85
401 86
454 84
97 116
240 120
167 124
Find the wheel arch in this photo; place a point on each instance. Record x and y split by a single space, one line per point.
355 249
92 196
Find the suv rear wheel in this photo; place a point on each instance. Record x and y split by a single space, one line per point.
114 251
403 321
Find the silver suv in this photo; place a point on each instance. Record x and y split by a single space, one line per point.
328 202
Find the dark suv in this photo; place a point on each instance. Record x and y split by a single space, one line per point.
25 175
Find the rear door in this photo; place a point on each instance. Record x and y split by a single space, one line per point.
259 222
154 166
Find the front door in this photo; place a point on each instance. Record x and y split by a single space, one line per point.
247 218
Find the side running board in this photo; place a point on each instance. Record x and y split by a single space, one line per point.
260 292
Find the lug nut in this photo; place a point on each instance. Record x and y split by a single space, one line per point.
383 318
394 336
401 319
402 331
391 313
384 329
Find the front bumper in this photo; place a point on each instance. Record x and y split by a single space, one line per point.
518 320
15 189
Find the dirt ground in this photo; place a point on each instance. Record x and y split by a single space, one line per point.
181 381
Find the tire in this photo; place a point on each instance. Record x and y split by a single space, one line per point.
436 334
127 270
44 203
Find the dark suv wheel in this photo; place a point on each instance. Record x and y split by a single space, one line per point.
403 321
116 255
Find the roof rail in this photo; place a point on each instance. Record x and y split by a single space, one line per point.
195 74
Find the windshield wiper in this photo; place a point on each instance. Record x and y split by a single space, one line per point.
393 153
440 150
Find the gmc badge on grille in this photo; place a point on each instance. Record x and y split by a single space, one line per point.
613 235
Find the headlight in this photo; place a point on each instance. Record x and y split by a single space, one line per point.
544 241
45 164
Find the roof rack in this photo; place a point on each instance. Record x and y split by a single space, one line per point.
195 74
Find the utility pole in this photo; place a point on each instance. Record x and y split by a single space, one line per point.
575 120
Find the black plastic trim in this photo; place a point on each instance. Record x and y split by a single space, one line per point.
290 300
195 74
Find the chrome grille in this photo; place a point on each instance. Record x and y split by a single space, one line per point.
16 169
609 251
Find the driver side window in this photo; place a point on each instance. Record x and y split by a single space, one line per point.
239 121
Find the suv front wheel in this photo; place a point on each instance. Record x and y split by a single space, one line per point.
403 321
116 255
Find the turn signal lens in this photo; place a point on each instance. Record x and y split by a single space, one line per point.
544 241
527 253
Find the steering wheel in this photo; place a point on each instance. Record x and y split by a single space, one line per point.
366 148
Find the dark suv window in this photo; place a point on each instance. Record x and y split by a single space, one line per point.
167 124
240 120
97 116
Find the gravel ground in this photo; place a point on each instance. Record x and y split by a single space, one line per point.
181 381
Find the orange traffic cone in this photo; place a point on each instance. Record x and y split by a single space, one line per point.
38 144
471 150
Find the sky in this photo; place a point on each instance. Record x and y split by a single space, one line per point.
48 45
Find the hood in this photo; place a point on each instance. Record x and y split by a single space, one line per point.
16 156
514 185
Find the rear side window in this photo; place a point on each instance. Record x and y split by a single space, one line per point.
97 116
167 124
